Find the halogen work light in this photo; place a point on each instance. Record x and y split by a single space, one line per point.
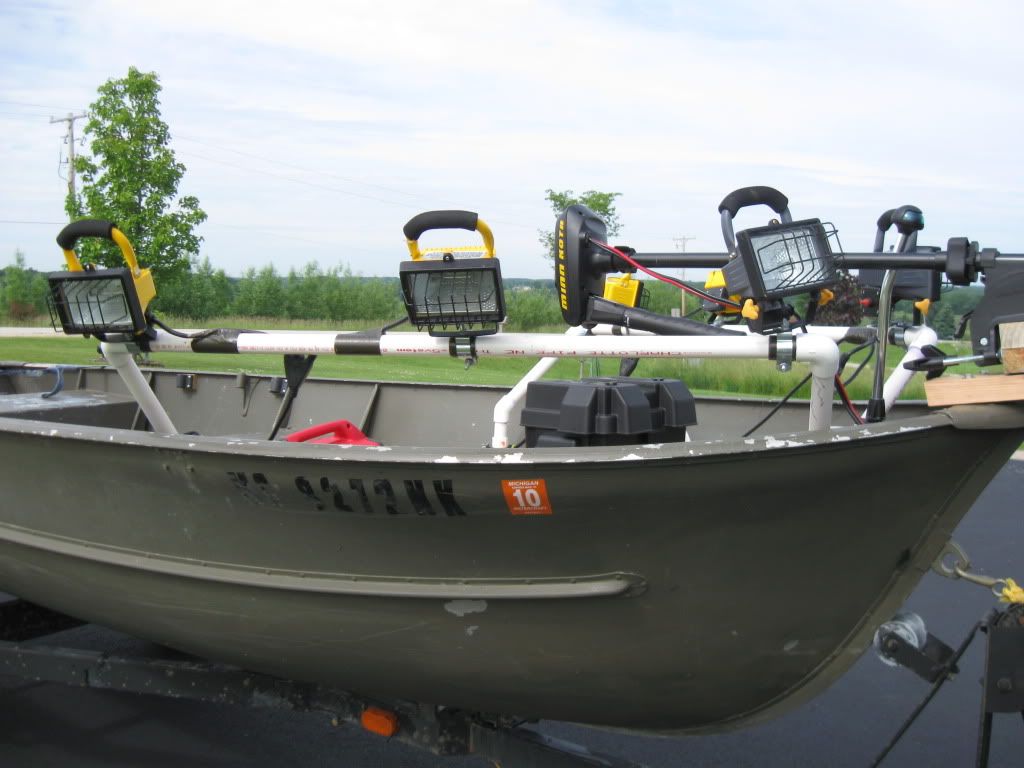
781 260
99 302
451 296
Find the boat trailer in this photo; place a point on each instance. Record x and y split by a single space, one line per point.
503 740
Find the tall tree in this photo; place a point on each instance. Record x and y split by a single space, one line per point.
132 178
601 203
22 291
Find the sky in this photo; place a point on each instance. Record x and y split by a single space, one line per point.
312 131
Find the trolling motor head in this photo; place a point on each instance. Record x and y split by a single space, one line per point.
580 266
583 259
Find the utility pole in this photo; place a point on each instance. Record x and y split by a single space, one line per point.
70 138
681 242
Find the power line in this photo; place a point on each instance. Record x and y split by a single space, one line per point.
21 221
304 182
297 167
304 169
31 104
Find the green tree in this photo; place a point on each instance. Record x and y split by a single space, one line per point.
132 178
601 203
261 294
200 293
22 291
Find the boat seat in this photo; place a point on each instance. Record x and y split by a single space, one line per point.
340 432
85 407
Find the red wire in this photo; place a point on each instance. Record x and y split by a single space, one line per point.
664 278
845 397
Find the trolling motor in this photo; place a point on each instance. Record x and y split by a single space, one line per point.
908 220
584 259
920 286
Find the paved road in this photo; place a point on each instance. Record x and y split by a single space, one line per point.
70 728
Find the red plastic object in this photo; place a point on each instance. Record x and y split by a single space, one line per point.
341 432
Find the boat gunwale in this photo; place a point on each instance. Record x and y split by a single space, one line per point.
484 456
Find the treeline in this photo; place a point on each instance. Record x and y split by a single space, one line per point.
336 294
312 293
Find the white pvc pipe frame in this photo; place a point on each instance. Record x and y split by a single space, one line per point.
818 350
915 338
121 359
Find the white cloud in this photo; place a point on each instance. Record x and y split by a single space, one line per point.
354 116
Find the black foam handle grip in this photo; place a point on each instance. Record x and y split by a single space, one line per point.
84 228
421 222
885 220
907 218
747 196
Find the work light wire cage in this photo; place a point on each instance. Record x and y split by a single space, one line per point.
452 300
92 309
94 303
792 259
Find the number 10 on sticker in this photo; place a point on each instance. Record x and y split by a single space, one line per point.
526 497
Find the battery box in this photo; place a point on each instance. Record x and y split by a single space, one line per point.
607 411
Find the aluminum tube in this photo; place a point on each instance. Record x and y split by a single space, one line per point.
123 362
881 346
866 260
504 407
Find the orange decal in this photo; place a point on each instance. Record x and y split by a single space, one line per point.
526 497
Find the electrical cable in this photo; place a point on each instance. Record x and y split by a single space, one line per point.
842 363
180 334
782 402
664 278
845 397
863 363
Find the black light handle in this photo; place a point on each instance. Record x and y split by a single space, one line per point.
748 196
421 222
84 228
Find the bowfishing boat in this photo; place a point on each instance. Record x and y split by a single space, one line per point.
609 551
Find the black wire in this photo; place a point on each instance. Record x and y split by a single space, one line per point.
394 324
842 362
871 353
778 405
199 335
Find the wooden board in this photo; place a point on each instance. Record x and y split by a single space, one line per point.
960 390
1011 341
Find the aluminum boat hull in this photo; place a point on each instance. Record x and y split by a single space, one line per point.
676 587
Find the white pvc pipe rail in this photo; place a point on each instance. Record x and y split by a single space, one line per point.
819 351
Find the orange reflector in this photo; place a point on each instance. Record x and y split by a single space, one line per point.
379 721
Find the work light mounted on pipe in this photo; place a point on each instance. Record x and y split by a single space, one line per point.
770 263
453 292
99 302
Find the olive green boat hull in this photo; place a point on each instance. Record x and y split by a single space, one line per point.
677 587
